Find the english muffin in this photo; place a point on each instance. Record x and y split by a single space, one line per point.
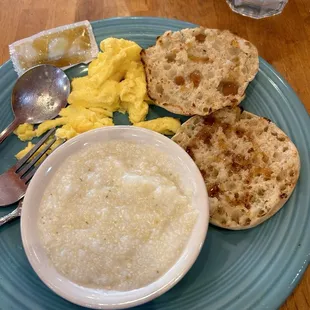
199 70
249 165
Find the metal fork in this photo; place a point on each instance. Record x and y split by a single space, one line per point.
14 182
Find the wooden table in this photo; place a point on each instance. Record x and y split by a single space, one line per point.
283 40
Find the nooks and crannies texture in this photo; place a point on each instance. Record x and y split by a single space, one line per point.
199 71
249 165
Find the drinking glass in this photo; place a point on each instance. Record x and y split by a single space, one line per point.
257 8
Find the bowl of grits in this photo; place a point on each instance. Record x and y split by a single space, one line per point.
115 217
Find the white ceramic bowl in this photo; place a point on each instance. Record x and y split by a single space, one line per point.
97 298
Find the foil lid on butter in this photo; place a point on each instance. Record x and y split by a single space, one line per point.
62 47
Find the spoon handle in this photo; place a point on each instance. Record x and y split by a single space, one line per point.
11 216
8 130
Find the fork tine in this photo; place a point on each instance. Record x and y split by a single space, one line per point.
34 149
23 171
30 174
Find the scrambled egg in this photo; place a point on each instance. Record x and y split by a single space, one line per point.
164 125
75 120
115 82
25 132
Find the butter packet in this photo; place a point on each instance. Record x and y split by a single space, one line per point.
63 47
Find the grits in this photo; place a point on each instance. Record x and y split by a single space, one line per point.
115 216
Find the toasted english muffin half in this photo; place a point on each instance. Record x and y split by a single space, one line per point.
199 70
249 165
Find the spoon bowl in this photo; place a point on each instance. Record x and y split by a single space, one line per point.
38 95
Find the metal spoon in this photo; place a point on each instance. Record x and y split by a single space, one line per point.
38 95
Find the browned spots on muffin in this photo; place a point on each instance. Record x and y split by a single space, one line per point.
279 177
227 128
239 162
190 152
204 173
228 88
260 192
235 167
200 37
227 153
223 222
260 157
261 171
240 159
213 190
222 144
292 173
247 221
179 80
234 43
283 196
281 138
249 136
171 57
199 59
267 119
244 200
265 158
159 88
220 211
247 206
214 123
206 138
209 120
261 213
195 77
236 60
240 132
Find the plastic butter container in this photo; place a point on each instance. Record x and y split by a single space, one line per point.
63 47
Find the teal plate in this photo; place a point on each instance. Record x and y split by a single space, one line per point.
254 269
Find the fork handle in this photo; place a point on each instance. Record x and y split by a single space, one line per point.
11 216
8 130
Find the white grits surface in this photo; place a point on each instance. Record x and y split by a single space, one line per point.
115 216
